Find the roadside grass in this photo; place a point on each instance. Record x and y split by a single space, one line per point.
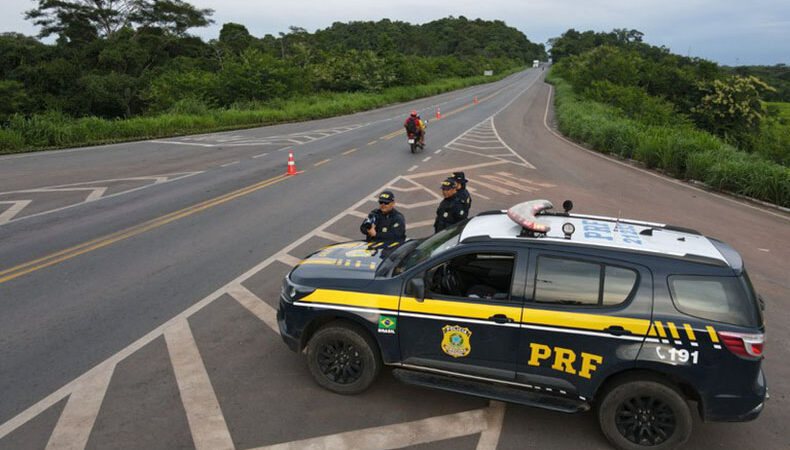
56 130
682 151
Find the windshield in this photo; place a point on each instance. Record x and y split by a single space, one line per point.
434 245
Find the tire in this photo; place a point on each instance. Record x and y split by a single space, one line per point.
343 358
413 148
664 412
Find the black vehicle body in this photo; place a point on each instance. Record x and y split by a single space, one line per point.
569 353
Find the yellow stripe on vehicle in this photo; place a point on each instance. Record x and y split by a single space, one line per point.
459 309
712 333
660 329
584 321
348 298
673 331
325 261
690 332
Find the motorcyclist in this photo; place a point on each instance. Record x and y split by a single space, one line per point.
412 125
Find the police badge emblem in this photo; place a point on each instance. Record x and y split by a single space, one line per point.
456 341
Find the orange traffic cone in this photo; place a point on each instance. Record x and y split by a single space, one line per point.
475 100
438 113
291 165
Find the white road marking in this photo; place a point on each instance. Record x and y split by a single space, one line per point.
260 156
331 236
398 435
411 169
761 249
158 179
474 191
423 223
416 205
437 152
206 422
76 421
229 164
16 206
426 159
255 305
288 259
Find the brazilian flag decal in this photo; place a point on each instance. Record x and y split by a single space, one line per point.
387 324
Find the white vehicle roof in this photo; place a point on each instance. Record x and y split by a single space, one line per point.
600 231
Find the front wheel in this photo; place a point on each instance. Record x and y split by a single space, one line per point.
343 358
645 414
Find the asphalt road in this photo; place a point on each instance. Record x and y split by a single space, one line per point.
122 265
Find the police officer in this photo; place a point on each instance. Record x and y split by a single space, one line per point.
461 192
384 223
450 210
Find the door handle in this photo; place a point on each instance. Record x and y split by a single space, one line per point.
500 318
616 330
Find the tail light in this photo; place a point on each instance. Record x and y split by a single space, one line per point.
743 344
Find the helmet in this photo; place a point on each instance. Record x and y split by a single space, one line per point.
413 112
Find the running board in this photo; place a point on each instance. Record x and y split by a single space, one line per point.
490 390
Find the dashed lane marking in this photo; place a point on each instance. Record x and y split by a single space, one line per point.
322 162
426 159
412 168
229 164
437 152
348 152
260 156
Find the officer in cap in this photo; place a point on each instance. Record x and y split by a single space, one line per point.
384 224
450 210
460 191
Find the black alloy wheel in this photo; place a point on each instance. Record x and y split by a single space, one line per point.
343 357
645 420
340 361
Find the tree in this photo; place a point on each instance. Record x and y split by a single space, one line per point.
84 20
732 107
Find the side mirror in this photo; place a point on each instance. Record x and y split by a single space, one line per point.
417 288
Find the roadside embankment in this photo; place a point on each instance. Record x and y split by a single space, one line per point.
682 151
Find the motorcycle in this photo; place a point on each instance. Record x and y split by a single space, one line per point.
414 143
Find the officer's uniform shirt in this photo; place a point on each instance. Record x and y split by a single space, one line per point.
450 211
389 227
465 198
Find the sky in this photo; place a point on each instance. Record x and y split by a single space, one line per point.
730 32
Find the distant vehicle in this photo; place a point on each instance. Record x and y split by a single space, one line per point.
414 143
548 309
535 64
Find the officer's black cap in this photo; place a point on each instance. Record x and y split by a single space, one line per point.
386 197
459 177
448 183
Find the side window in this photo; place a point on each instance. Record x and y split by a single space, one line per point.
473 275
567 282
617 285
571 282
722 299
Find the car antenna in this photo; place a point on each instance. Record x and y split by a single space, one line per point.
617 223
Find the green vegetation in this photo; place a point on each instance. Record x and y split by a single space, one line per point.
777 76
679 149
127 69
685 116
52 130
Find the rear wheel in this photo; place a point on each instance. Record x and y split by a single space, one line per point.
414 148
643 414
343 358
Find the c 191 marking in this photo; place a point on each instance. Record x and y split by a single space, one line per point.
675 355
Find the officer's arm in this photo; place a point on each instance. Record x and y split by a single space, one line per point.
399 231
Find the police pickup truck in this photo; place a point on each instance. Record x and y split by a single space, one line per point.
548 309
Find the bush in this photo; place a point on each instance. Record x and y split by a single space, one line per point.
681 150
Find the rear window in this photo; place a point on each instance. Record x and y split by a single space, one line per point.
722 299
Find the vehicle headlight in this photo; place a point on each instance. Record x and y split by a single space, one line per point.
292 291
